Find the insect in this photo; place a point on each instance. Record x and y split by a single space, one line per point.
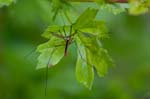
68 39
67 36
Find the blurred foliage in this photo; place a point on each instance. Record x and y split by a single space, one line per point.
135 7
21 25
5 2
139 6
115 8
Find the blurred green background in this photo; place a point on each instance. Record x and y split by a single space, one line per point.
21 26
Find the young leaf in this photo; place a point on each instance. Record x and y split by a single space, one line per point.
96 55
53 42
85 18
97 28
100 59
50 30
51 52
53 30
50 57
84 71
86 32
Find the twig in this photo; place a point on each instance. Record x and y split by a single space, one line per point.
108 1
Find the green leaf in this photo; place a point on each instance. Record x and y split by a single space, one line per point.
87 23
89 40
88 33
53 42
139 6
53 29
96 55
84 71
58 6
50 56
56 29
85 18
100 59
5 2
97 28
51 52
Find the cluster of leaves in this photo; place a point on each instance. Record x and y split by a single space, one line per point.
135 7
139 6
89 33
90 53
5 2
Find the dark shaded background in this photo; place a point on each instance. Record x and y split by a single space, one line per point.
21 26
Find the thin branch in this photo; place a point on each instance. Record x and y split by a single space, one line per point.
109 1
81 0
117 1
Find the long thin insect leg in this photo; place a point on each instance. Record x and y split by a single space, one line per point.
70 30
57 35
73 41
62 35
64 31
47 70
64 44
63 20
74 33
86 33
30 53
59 45
46 77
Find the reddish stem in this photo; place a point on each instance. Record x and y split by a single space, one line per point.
117 1
109 1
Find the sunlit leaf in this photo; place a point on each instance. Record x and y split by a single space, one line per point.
84 71
53 42
50 57
96 55
85 18
100 59
97 28
56 30
53 29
